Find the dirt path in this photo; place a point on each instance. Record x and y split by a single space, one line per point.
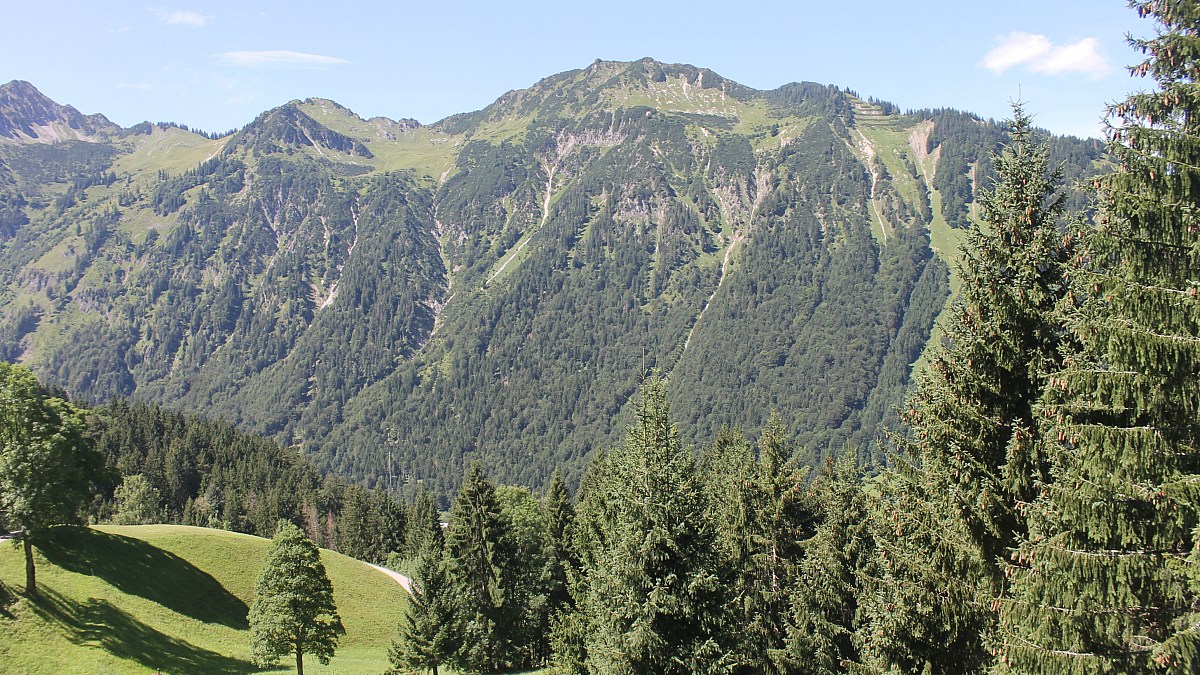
396 576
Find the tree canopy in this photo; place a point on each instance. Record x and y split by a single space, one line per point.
293 610
47 464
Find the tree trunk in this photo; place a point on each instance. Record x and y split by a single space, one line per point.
30 575
299 659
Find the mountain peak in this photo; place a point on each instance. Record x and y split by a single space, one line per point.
288 125
28 115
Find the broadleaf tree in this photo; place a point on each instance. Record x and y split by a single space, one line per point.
47 462
293 611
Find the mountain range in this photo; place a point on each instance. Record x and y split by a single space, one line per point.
394 299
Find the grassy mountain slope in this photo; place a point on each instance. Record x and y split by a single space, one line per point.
396 299
172 599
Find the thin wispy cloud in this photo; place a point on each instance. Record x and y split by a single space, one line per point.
278 58
182 17
1037 54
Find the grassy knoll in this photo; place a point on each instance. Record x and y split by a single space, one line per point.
170 599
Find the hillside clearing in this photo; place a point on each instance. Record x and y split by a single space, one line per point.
171 599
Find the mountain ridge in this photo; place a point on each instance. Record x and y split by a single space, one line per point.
28 114
396 298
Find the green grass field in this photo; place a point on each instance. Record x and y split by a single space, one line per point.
169 599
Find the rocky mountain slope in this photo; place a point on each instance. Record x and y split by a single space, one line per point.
396 299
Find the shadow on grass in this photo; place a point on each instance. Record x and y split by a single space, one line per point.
138 568
99 623
7 597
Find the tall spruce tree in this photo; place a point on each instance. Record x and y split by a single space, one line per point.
952 505
761 509
1105 582
651 599
428 638
478 552
560 515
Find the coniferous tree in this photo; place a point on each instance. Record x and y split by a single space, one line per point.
423 525
762 514
356 531
427 633
1104 581
784 522
651 599
952 507
293 610
728 471
560 515
826 600
477 552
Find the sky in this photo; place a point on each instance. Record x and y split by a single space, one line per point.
215 65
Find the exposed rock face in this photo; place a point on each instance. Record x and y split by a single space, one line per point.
28 114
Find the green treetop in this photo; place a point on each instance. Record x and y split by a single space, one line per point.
1106 581
293 609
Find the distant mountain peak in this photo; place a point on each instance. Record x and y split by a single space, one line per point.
28 115
288 125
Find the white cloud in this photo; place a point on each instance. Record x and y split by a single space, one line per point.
279 58
181 17
1039 55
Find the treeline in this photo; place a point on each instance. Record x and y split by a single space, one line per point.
167 467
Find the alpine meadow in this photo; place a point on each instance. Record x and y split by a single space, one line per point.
634 370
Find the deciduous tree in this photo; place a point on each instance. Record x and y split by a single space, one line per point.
293 610
47 462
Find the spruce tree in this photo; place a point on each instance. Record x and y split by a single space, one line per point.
560 515
651 598
762 512
427 633
825 601
1105 580
477 551
952 504
423 525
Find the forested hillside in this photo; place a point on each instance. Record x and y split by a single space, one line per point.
397 299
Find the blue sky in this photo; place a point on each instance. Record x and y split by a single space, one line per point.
215 65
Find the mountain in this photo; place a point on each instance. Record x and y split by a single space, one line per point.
396 298
28 115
